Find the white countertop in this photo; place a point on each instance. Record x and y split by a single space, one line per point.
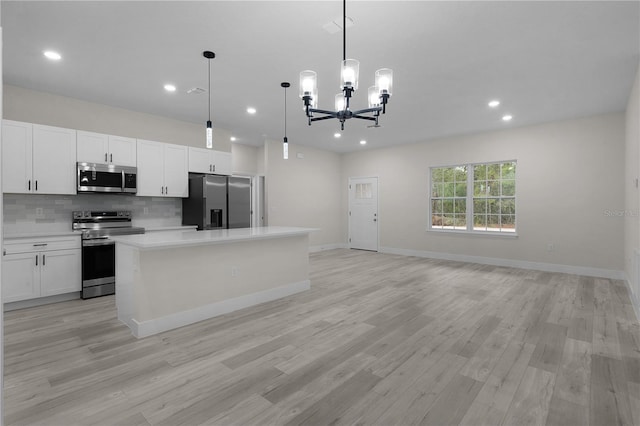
35 235
168 239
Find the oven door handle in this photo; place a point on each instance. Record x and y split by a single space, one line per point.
98 242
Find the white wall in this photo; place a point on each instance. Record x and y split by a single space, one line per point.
245 159
569 190
55 110
632 200
304 191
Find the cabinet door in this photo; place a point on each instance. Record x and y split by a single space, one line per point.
200 160
54 160
222 162
16 156
92 147
176 170
122 151
60 272
20 276
150 168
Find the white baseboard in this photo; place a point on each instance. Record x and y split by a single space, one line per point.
158 325
512 263
315 249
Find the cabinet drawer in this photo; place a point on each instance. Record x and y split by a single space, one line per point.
25 245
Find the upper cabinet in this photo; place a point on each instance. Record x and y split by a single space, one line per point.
106 149
163 169
203 160
38 159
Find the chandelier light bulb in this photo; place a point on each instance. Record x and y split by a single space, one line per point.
349 74
374 96
339 102
308 83
384 81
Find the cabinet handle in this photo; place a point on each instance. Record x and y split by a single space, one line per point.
43 260
162 189
111 158
214 168
4 252
36 260
36 185
166 190
105 157
29 184
40 245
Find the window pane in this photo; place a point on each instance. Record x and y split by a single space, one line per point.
508 206
461 189
493 171
509 222
508 170
461 173
493 188
449 189
479 206
447 205
460 205
479 221
436 175
460 221
508 188
480 172
493 221
437 189
436 206
493 206
480 189
447 220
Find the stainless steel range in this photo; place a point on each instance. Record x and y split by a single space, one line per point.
98 250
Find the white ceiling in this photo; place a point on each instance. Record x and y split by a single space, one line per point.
544 60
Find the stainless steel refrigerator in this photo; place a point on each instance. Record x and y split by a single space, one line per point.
217 202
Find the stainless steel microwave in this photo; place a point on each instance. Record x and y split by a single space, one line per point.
106 178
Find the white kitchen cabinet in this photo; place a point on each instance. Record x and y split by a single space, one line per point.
38 159
203 160
41 267
163 169
105 149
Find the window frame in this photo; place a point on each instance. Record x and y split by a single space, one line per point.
469 213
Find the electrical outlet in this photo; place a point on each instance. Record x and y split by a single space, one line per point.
39 213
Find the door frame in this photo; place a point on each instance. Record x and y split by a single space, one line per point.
351 178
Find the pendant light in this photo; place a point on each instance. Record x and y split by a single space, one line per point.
378 95
285 142
209 55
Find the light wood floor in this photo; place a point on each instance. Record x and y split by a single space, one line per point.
379 339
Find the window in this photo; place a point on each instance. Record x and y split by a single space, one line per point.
474 197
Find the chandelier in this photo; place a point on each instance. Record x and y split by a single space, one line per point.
378 95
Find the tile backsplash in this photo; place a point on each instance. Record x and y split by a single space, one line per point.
22 212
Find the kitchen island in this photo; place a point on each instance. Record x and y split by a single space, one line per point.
171 279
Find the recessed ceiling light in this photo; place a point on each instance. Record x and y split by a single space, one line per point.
233 138
494 103
54 56
507 117
336 135
251 110
363 142
169 87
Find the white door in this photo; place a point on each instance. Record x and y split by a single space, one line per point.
363 213
59 272
54 160
20 276
176 170
92 147
122 151
17 153
150 168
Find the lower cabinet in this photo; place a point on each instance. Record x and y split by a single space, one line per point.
39 268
